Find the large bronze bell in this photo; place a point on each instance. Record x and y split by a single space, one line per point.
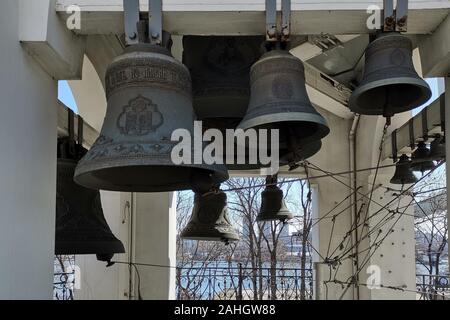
220 69
273 206
278 100
403 174
149 96
81 227
390 83
421 159
437 148
209 220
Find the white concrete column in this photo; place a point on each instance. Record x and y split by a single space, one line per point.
28 121
391 241
154 243
328 200
96 281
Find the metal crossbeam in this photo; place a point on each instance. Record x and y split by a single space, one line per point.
271 20
155 22
395 20
131 15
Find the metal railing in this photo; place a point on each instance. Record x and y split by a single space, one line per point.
433 287
243 283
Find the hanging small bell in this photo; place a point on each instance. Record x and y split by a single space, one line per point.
390 83
437 148
149 97
81 227
421 159
403 174
273 206
209 220
278 100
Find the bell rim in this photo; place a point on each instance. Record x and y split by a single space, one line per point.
355 107
89 247
403 183
316 118
279 217
84 177
227 237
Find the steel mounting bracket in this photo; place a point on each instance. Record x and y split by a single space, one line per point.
395 19
273 33
134 25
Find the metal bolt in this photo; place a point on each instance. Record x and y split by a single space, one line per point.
155 35
271 32
132 35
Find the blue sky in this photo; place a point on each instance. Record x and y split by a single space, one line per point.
65 95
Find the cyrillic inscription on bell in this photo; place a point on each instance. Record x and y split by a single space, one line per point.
149 97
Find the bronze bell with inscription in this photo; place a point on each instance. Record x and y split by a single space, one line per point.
390 83
209 220
149 97
81 227
278 100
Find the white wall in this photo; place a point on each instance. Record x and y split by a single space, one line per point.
27 167
97 281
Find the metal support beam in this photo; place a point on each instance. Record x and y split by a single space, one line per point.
422 126
247 17
131 15
271 20
285 20
401 16
395 20
155 21
88 134
388 16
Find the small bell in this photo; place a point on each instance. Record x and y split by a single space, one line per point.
278 100
273 206
390 83
421 158
437 148
403 174
209 220
81 227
